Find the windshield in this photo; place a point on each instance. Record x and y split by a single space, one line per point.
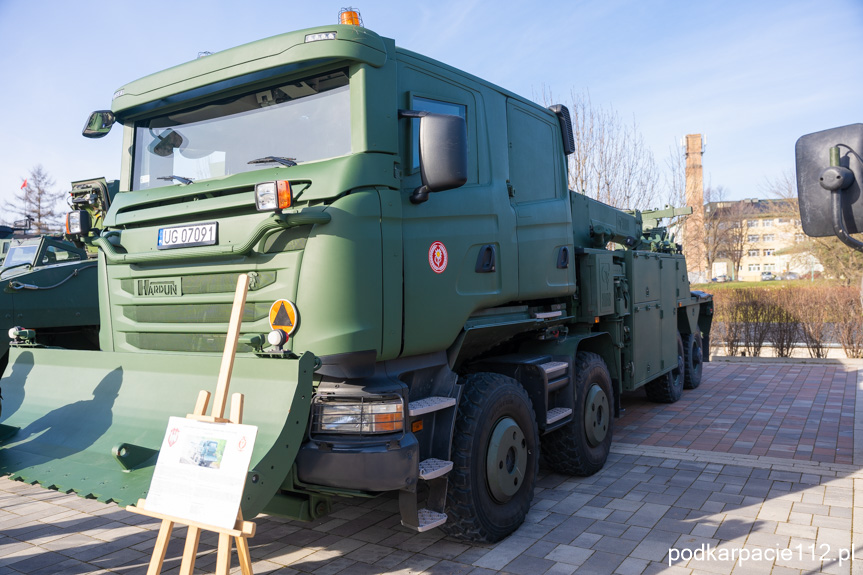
20 255
301 121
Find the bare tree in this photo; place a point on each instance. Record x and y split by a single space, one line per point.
37 201
611 162
715 226
675 176
724 235
735 240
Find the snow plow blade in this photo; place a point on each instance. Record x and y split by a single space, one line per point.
92 422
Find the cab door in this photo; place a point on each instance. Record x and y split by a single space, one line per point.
61 290
539 196
459 249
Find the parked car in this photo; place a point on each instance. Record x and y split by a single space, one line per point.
768 276
720 279
791 276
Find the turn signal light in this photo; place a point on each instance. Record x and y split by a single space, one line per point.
359 415
271 196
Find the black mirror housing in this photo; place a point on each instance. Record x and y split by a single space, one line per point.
815 180
442 152
98 124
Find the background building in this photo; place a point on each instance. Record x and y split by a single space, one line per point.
748 237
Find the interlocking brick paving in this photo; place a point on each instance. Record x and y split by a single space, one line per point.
788 410
634 517
640 515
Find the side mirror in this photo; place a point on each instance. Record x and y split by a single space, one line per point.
98 124
442 151
829 176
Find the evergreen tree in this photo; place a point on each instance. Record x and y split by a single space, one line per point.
38 201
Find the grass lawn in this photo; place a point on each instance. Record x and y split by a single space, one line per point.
715 287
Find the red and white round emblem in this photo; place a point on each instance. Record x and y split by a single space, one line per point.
437 257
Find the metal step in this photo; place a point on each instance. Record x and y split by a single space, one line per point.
429 404
554 369
433 467
560 383
428 520
556 414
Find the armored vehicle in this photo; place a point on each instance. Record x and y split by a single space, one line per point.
430 308
49 282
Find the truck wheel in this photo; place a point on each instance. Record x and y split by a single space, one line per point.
692 361
668 388
581 447
495 455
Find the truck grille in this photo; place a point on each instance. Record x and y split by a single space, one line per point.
185 323
212 283
194 342
194 313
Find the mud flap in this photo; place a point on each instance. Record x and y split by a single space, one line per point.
92 422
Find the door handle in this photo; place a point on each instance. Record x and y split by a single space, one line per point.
485 261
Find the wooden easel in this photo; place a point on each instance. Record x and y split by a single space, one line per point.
243 530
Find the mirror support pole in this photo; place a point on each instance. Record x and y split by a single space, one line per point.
837 179
839 223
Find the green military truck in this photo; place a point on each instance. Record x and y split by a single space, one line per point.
430 307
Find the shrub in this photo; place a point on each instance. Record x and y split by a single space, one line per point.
785 329
846 314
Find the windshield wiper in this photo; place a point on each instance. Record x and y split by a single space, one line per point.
276 159
180 179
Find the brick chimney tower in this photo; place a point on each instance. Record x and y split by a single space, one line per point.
693 225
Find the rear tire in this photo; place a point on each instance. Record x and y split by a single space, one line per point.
495 454
668 388
693 361
582 446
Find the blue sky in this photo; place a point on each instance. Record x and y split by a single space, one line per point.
751 76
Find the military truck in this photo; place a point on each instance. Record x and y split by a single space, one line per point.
430 307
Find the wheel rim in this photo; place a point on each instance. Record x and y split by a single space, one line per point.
506 459
596 415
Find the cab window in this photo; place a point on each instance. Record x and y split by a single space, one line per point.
55 255
435 107
19 255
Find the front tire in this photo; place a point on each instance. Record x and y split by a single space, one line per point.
582 446
495 455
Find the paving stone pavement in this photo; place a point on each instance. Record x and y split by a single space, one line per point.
792 410
664 503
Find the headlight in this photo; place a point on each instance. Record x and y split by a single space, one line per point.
77 223
271 196
359 416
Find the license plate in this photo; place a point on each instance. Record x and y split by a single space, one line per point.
188 236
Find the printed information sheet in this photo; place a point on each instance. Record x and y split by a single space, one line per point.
201 471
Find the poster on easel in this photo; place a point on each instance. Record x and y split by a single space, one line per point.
201 471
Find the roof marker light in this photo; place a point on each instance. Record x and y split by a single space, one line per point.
350 16
320 36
